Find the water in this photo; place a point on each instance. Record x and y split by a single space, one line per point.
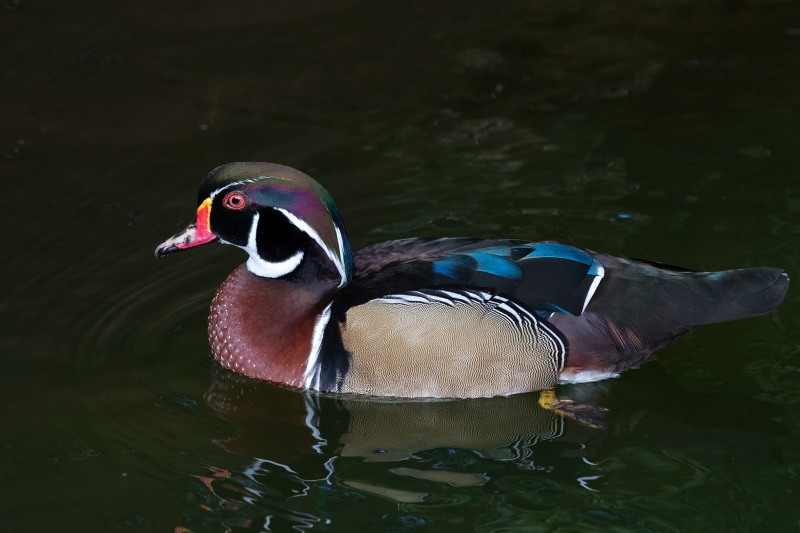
662 130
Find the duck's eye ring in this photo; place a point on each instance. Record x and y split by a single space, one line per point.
235 201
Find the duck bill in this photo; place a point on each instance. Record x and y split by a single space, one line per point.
195 234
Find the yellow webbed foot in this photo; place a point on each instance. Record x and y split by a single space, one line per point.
588 415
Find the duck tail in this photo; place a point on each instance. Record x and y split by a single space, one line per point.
742 293
668 297
640 307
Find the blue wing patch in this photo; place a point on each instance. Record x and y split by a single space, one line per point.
494 264
502 251
562 251
562 286
447 268
497 260
453 265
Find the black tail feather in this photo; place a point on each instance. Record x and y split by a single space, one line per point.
747 292
634 292
639 308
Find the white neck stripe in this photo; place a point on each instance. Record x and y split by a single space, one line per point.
311 377
303 226
340 241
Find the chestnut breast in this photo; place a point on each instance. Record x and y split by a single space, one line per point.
264 327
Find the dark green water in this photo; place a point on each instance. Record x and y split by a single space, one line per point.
663 130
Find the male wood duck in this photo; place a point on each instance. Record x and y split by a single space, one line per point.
442 318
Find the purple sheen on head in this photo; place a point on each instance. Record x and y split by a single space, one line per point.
309 204
286 188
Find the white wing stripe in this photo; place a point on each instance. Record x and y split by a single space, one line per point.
601 272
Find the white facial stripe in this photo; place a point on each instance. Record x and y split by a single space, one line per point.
263 268
308 230
338 260
235 183
251 180
341 248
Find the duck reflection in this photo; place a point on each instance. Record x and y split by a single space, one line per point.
306 436
310 438
286 424
393 431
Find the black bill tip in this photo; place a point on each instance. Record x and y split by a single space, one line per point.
164 250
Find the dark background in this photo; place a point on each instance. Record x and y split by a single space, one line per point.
662 130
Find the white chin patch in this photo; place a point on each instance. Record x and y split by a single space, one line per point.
267 269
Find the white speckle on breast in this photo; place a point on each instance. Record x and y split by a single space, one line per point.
218 333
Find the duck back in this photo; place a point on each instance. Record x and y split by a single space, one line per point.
611 313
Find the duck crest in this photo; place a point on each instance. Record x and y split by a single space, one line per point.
300 198
267 328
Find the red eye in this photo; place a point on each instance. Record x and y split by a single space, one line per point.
234 200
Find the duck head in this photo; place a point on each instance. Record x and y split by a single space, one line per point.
287 222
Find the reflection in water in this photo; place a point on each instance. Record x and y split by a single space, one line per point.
456 479
502 427
325 429
376 429
320 446
307 448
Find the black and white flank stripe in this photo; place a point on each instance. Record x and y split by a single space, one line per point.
529 326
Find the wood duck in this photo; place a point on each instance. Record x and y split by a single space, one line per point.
441 318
